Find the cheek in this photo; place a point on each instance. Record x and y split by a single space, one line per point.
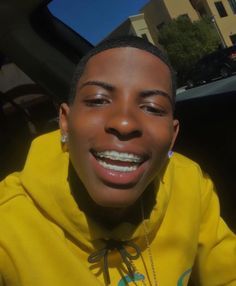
84 126
160 143
160 134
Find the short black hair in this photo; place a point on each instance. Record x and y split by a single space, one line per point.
119 42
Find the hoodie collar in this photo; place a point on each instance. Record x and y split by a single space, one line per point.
45 180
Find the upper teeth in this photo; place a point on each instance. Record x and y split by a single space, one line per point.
125 157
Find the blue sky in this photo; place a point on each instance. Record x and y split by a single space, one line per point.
94 19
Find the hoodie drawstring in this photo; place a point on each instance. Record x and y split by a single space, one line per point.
125 255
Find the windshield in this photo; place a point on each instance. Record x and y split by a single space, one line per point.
94 20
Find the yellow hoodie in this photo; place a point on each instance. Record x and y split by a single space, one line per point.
45 239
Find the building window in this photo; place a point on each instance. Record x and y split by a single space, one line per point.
144 36
233 39
221 9
160 26
232 4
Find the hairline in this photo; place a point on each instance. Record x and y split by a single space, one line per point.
143 46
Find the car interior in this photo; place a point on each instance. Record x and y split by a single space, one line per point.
38 54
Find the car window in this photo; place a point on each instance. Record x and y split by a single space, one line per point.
91 18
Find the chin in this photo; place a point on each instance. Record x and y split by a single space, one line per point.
115 198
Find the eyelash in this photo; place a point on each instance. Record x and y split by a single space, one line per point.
96 102
99 102
153 110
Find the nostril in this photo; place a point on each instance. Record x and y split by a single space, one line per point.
124 123
112 130
124 135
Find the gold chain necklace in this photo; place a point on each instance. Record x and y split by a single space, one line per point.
148 246
149 253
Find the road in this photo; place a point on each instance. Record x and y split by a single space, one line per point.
216 87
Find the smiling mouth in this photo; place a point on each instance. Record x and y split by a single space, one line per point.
119 161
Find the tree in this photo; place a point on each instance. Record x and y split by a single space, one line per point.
186 42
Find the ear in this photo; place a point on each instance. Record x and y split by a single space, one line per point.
175 132
64 118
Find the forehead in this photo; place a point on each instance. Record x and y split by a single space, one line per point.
125 64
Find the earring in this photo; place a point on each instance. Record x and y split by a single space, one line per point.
170 153
64 138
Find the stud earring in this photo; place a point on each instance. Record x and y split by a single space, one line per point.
170 153
64 138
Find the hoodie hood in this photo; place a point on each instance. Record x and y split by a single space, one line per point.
45 180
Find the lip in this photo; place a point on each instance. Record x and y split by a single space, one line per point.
119 178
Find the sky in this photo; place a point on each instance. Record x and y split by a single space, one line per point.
95 19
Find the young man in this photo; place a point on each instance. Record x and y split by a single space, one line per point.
111 205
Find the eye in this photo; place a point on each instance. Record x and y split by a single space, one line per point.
96 101
153 109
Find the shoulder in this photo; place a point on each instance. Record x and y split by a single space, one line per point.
186 175
181 161
8 272
182 165
10 188
48 140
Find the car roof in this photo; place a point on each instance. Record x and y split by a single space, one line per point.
40 44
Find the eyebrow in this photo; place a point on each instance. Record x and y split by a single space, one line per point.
143 94
105 85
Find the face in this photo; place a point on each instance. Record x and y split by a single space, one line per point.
120 125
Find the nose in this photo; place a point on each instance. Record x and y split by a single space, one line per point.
124 124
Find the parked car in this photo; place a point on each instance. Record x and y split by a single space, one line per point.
219 64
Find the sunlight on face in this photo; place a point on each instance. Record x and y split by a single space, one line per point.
120 125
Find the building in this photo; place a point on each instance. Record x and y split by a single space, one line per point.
223 14
159 12
134 25
156 13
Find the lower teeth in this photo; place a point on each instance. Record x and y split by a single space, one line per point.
117 168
